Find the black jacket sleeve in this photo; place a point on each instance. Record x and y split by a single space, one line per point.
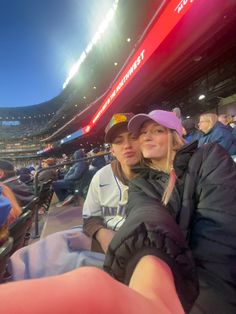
213 231
151 230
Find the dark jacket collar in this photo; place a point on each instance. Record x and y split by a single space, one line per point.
182 158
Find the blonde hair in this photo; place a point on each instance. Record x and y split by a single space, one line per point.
16 210
175 142
212 118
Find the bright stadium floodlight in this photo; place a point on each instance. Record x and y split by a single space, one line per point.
75 68
201 97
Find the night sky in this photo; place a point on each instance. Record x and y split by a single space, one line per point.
39 42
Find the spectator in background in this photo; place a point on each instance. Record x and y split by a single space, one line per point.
98 161
22 192
16 210
224 119
190 132
216 132
64 157
107 157
177 112
63 171
234 126
25 175
48 174
64 187
32 169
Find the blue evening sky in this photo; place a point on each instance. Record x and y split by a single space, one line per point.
39 42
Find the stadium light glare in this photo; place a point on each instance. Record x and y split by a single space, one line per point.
75 68
160 30
201 97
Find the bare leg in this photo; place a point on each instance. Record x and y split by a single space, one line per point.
153 279
89 290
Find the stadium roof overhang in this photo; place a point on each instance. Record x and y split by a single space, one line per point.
181 44
202 38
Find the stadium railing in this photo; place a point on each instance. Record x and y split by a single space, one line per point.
5 251
37 188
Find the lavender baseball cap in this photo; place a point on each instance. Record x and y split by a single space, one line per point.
165 118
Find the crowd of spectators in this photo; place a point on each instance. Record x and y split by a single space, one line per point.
26 128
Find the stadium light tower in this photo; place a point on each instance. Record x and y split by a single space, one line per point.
75 68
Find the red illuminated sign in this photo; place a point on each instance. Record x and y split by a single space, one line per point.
121 83
181 5
174 11
170 16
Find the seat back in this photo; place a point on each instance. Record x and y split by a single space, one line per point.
45 194
82 186
19 228
32 206
5 251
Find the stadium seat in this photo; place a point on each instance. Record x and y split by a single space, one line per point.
5 251
45 195
32 207
82 186
18 230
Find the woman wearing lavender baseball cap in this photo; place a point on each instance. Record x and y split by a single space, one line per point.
183 188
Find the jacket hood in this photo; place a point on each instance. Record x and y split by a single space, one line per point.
79 154
189 125
183 156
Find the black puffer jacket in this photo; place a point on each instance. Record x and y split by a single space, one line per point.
205 201
150 229
208 188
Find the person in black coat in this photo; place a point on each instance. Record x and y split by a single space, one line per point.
25 175
194 187
98 161
48 174
190 132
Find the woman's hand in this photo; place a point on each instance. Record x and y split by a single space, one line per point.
104 237
79 241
